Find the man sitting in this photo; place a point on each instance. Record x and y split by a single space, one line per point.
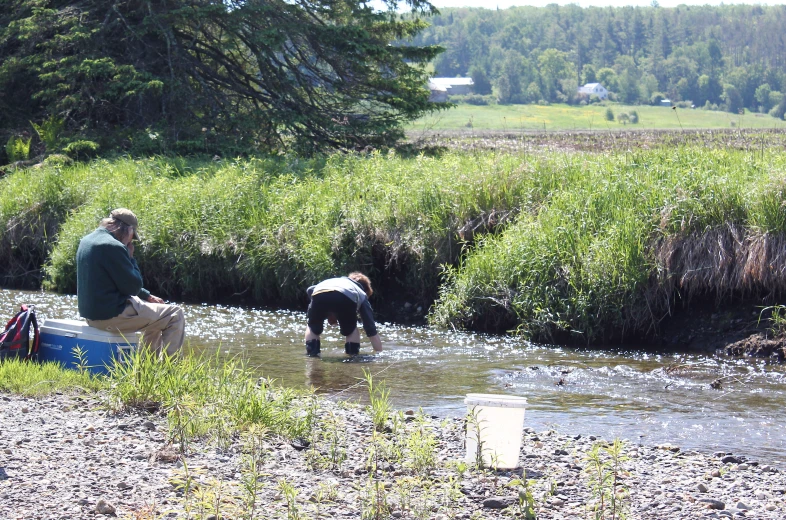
109 292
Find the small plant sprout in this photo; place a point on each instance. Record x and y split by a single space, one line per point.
380 404
289 493
606 480
375 500
420 447
777 319
326 493
251 474
461 467
80 364
474 434
526 501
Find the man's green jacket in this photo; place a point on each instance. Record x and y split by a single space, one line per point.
106 276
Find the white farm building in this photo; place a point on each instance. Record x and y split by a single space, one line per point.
594 89
450 86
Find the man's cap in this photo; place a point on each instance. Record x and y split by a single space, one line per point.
127 217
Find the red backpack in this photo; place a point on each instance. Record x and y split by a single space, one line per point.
15 340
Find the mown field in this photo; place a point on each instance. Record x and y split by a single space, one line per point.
557 245
560 117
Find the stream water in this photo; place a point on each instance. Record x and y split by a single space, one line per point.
643 396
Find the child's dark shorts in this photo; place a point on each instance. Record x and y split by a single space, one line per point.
332 303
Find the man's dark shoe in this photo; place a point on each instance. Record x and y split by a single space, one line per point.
312 348
353 349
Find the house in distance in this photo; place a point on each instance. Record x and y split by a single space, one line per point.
442 88
594 89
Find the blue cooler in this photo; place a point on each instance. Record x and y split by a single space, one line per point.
100 348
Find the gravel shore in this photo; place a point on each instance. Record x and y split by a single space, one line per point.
68 457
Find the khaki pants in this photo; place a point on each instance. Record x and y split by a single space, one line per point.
162 325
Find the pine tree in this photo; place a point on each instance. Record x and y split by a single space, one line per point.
269 74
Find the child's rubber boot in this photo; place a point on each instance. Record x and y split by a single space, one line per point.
353 349
312 348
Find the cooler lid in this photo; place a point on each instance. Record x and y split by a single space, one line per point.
80 329
496 400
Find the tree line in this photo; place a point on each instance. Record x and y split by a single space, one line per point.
727 57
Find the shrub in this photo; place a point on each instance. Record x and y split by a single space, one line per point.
656 98
473 99
634 117
58 159
776 112
609 114
79 150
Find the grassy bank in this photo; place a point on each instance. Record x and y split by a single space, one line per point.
268 229
623 241
556 245
560 117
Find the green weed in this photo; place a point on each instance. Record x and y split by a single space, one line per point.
606 479
328 449
380 404
528 503
80 365
374 500
49 131
251 468
205 396
475 427
420 447
777 319
289 493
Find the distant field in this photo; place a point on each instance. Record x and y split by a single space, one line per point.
511 118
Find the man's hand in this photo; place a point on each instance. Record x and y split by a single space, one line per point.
130 247
154 299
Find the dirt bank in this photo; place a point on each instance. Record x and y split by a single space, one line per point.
740 329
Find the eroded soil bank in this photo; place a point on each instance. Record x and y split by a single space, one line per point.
743 329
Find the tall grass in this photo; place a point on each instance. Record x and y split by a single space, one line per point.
38 379
32 207
615 246
269 228
208 396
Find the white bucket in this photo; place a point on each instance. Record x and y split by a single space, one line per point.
496 422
